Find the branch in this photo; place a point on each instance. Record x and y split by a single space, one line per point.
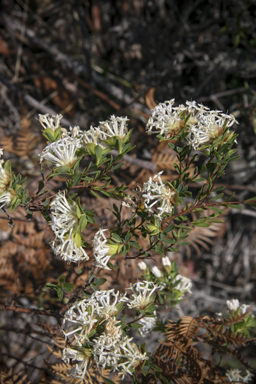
77 67
31 311
31 101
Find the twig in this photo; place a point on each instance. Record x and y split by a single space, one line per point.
223 94
76 66
229 186
15 296
133 160
31 101
21 361
31 311
22 33
26 331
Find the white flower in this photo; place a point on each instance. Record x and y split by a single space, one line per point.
184 285
130 356
148 324
234 375
93 135
5 176
68 249
166 119
142 294
108 306
208 126
202 124
80 355
142 265
110 349
74 132
5 199
244 308
166 261
233 304
154 193
84 315
101 249
64 215
116 126
52 122
156 271
113 350
61 152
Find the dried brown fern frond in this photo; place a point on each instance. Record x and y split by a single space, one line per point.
165 161
24 253
21 144
202 236
187 327
218 331
179 359
10 378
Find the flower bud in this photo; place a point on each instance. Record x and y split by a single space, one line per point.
142 265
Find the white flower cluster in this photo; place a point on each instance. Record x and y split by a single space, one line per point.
202 124
153 195
116 126
148 323
63 151
52 122
101 249
234 304
110 349
5 178
64 222
142 294
234 376
184 285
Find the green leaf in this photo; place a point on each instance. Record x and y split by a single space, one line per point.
91 148
199 221
219 196
94 193
202 225
62 278
234 206
60 293
46 216
78 240
15 202
50 286
76 178
98 153
116 238
49 134
163 379
83 222
68 287
99 282
91 278
40 186
107 381
112 266
251 200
